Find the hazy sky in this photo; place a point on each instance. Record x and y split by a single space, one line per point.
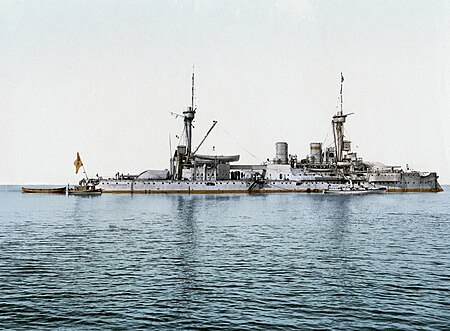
100 77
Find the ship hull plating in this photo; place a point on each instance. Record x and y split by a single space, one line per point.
409 183
406 181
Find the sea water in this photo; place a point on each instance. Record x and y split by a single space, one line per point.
248 262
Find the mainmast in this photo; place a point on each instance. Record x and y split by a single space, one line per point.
342 81
338 127
193 90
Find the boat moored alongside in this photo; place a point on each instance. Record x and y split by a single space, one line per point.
86 187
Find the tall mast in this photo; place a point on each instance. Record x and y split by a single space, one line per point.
342 81
338 128
193 84
189 115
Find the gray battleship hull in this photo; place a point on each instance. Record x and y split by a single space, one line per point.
211 187
406 181
393 182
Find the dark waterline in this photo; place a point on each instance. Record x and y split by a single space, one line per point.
279 261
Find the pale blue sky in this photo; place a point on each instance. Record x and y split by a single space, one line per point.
100 77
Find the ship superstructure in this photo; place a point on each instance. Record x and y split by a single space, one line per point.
325 169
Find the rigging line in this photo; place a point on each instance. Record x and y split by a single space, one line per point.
347 135
181 137
326 137
257 158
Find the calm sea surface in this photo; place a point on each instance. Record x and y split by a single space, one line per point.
250 262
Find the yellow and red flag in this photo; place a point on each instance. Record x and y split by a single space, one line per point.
78 163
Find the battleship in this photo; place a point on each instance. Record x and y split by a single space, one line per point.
327 169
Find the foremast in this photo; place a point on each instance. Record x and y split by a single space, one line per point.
183 153
189 115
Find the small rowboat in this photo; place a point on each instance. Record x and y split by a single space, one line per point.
355 191
57 190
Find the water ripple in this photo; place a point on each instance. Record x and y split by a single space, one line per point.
180 262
